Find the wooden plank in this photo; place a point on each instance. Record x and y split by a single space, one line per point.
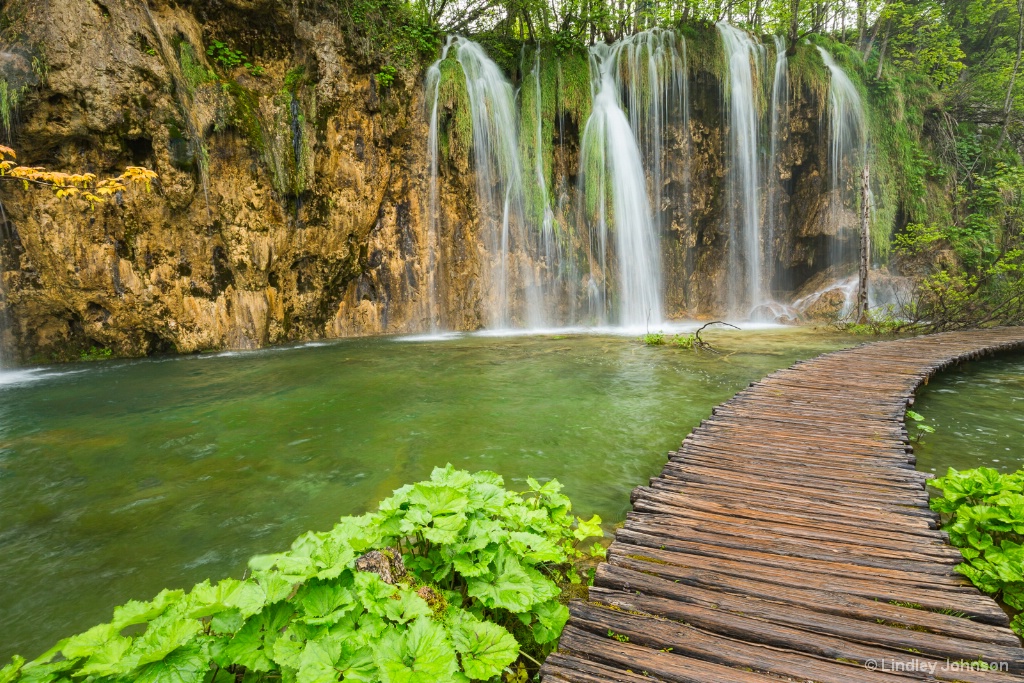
845 627
828 601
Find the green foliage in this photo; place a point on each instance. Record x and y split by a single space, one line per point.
95 353
295 78
972 269
684 341
653 339
922 428
10 98
380 32
985 513
386 76
484 567
230 59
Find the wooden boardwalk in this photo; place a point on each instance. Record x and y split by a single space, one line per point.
790 538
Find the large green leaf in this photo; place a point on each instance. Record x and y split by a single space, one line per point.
246 596
420 654
409 606
165 634
185 665
109 659
84 644
325 603
10 672
508 586
438 499
135 612
551 618
486 648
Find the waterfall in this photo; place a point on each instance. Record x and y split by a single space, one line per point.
652 81
550 247
499 179
780 125
848 149
743 58
433 264
611 153
511 294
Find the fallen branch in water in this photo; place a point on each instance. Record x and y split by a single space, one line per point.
699 343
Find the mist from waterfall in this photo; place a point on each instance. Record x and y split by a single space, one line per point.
744 57
614 186
774 277
848 150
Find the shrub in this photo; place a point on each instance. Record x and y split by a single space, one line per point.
451 579
985 512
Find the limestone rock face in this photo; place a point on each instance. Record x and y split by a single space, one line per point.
297 217
291 199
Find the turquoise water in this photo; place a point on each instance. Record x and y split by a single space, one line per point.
121 478
977 412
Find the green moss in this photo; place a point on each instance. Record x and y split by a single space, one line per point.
192 68
10 98
808 73
536 200
455 121
244 115
704 50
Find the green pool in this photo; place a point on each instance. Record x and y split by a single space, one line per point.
120 478
977 412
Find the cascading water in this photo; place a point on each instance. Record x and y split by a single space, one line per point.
743 57
611 164
512 295
848 149
780 125
652 81
499 179
433 265
550 246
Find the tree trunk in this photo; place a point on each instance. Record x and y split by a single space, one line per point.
865 244
881 54
1008 104
874 35
794 23
862 23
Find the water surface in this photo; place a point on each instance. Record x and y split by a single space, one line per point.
120 478
977 412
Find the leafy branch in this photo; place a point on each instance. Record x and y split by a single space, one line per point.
85 186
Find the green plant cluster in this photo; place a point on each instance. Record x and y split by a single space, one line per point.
386 76
985 512
96 353
231 58
682 341
922 428
477 584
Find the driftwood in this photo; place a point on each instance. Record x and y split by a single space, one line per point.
699 343
790 538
